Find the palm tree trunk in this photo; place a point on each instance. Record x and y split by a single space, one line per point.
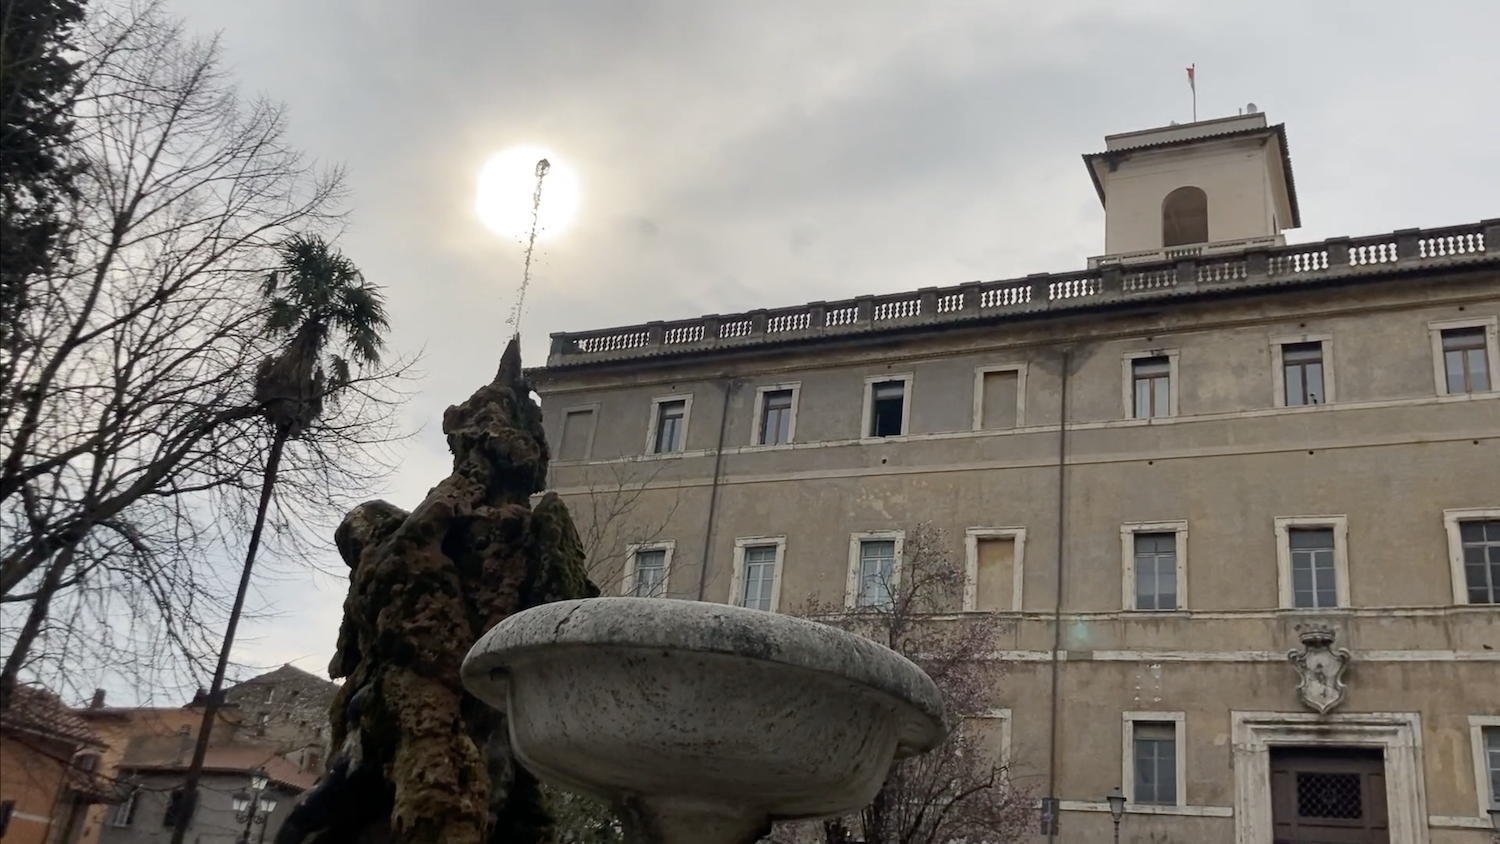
211 706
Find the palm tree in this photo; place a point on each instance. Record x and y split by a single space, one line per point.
316 298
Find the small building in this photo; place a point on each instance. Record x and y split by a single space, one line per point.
1237 500
48 762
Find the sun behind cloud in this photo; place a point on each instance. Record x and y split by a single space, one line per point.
506 188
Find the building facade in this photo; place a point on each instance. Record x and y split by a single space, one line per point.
48 769
1168 472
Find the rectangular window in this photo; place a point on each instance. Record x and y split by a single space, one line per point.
1480 544
650 573
1302 373
124 813
877 567
776 417
994 574
999 406
760 575
1492 762
670 419
1151 381
1314 577
1155 759
1466 360
887 408
177 809
1156 571
577 435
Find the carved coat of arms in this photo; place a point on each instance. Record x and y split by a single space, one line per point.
1321 667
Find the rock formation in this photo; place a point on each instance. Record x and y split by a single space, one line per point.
421 761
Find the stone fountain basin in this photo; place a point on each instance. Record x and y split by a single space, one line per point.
665 700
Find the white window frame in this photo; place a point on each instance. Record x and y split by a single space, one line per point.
980 372
1004 717
687 418
1127 384
1451 521
737 580
126 808
972 537
906 401
1278 366
760 414
1179 528
1127 746
1482 787
1435 330
588 447
851 583
1340 525
627 578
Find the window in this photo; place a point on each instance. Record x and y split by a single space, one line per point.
999 397
1155 767
886 408
1184 217
1464 362
124 813
994 576
1492 763
647 568
577 434
989 734
874 569
760 572
774 425
1155 571
177 809
671 419
1312 561
1474 554
1484 735
1465 356
1302 374
1152 386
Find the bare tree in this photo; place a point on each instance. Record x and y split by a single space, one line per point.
614 514
962 791
130 433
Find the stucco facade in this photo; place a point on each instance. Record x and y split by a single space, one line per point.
1022 423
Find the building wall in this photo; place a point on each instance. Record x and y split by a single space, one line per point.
1232 173
1388 456
31 775
287 707
213 822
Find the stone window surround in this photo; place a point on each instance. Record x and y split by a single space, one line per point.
588 448
1127 381
1178 527
627 577
1340 525
1004 716
1451 520
851 584
687 418
1278 367
1127 748
1435 330
737 580
760 415
1482 786
906 378
1397 734
972 536
980 372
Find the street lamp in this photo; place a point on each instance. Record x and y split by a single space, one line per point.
252 808
1116 799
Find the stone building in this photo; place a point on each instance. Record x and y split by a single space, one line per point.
48 769
1169 470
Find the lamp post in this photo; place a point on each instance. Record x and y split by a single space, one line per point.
1116 800
253 808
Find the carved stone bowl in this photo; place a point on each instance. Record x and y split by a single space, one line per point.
702 722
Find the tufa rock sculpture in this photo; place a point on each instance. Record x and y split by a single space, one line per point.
419 760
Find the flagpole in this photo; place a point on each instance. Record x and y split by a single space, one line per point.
1193 84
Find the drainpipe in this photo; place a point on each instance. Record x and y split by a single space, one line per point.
1062 513
713 490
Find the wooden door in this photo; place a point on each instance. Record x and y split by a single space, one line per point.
1332 795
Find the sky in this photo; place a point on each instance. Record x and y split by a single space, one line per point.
741 155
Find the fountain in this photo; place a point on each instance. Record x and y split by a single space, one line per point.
702 722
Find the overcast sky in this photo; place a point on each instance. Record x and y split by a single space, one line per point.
738 155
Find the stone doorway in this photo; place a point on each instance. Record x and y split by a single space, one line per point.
1328 795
